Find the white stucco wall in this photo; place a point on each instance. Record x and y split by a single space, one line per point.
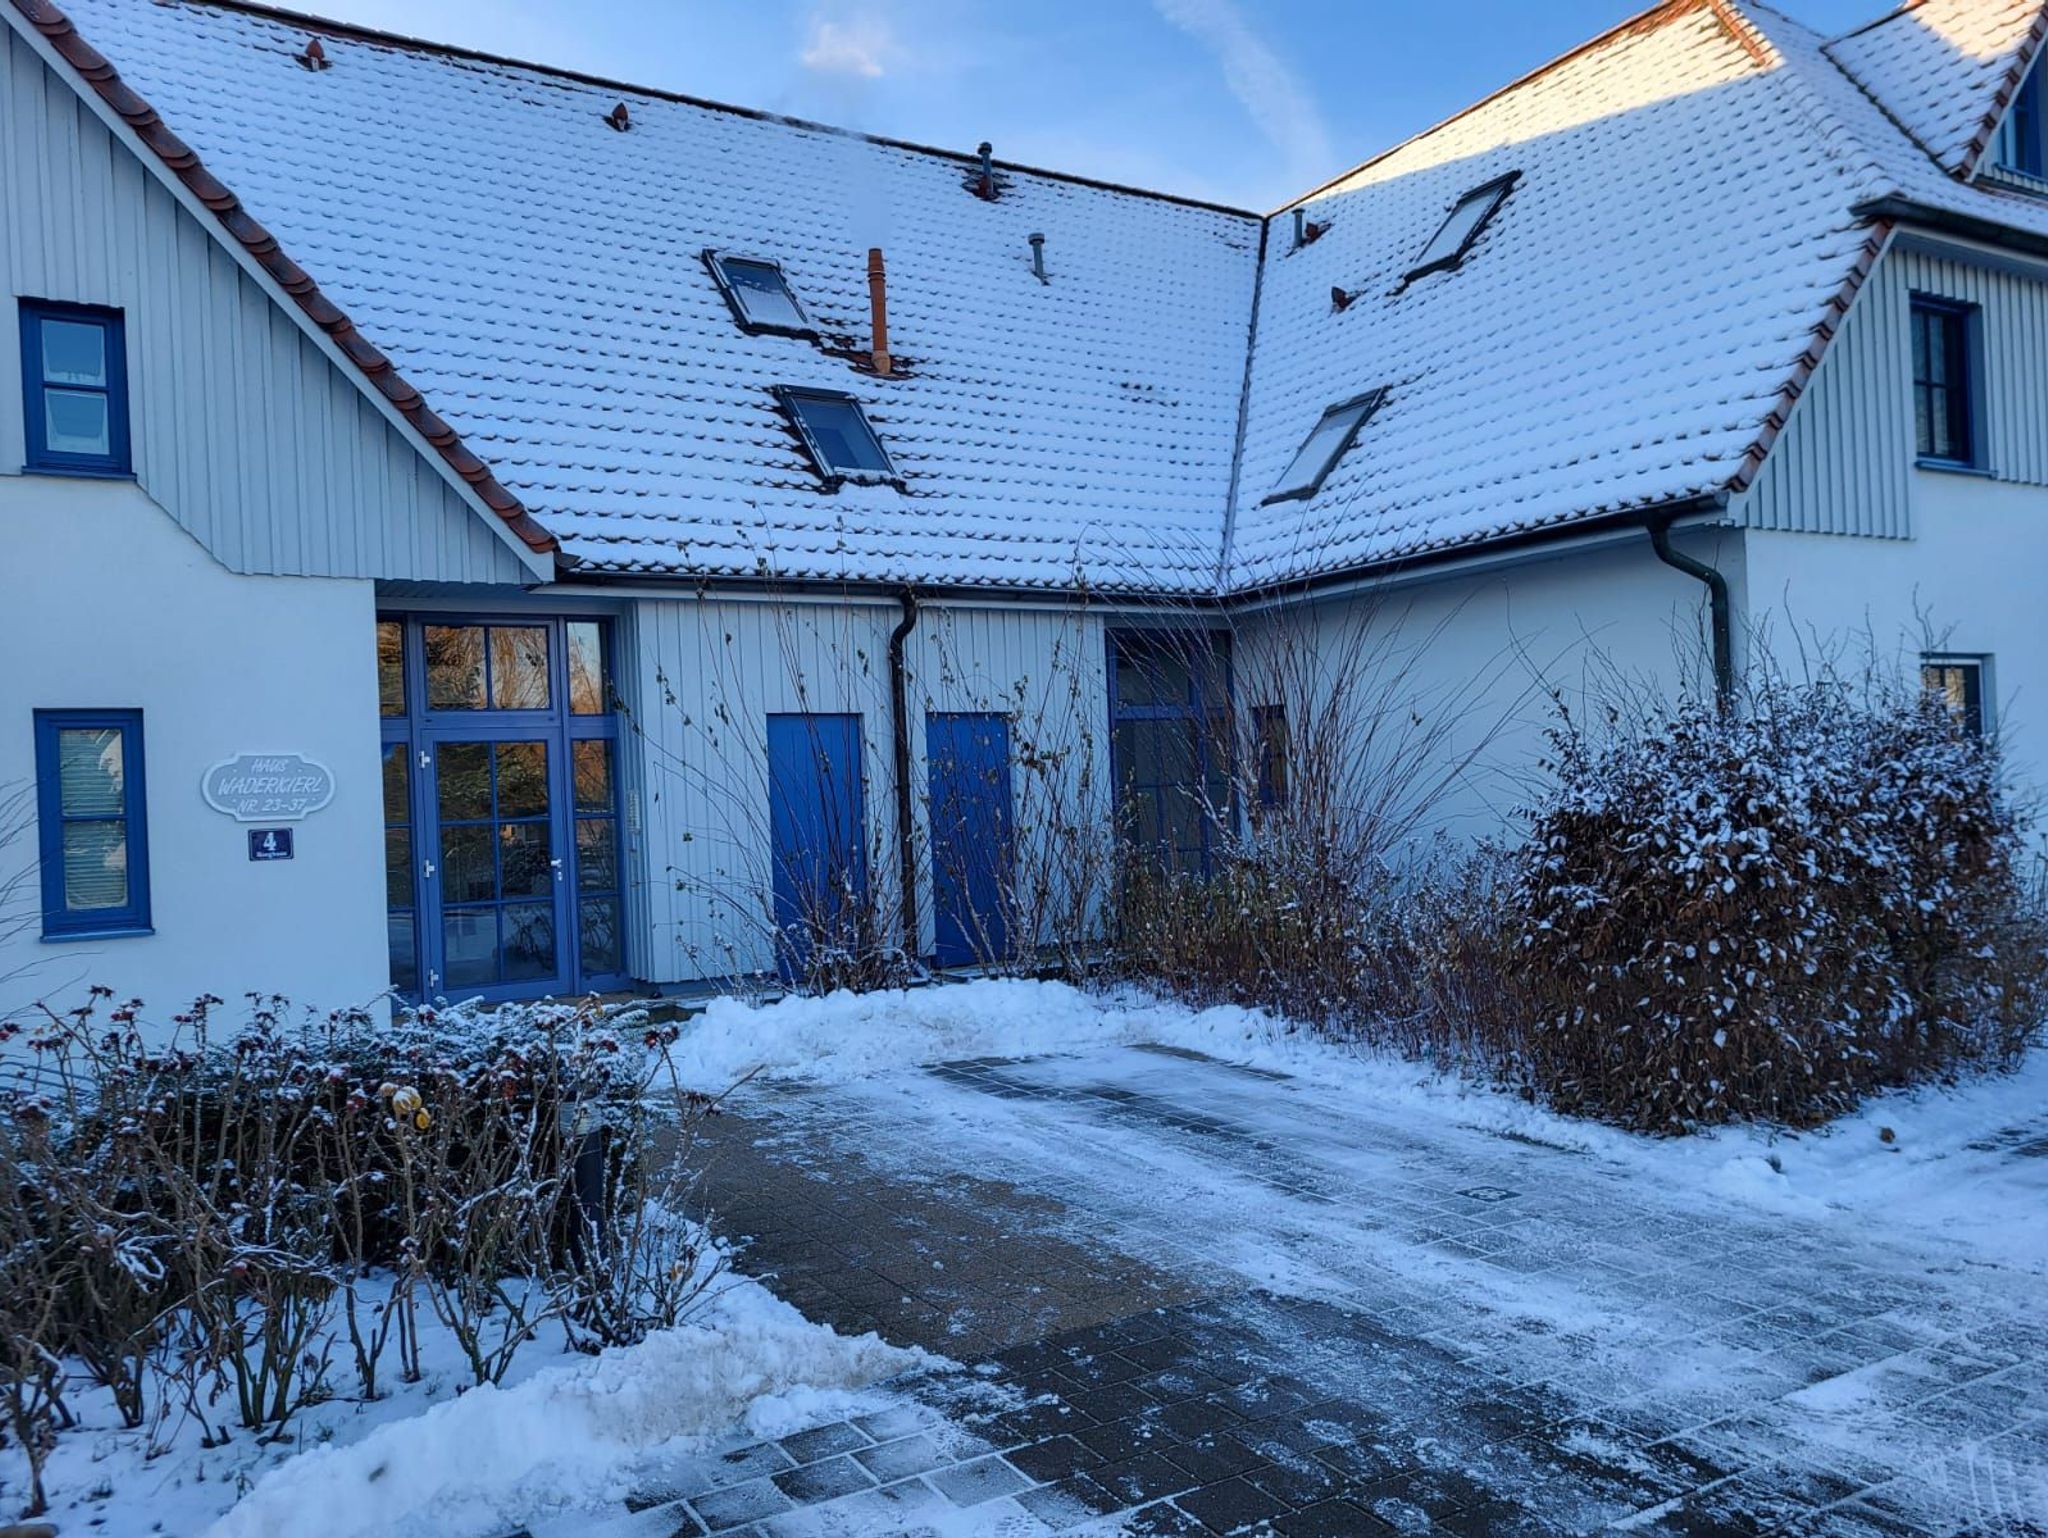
1968 581
111 605
1483 652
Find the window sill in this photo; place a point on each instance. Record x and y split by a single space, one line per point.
1953 467
79 472
112 932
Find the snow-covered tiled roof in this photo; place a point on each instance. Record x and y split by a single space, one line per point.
1943 69
1626 332
1616 338
539 276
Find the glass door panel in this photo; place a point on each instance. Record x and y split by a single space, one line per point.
500 870
401 920
599 911
503 850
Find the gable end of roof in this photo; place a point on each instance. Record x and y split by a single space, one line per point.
2002 98
378 371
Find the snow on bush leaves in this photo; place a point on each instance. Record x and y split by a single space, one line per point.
1770 912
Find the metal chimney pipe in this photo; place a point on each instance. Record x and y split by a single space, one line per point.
878 304
1038 257
1300 226
987 188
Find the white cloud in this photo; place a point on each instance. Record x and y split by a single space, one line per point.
1278 102
861 46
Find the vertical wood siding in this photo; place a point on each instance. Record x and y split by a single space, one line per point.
243 431
1844 464
700 678
2012 330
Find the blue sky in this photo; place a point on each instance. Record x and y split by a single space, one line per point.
1243 101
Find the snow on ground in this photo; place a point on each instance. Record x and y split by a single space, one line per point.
1928 1174
566 1431
1825 1318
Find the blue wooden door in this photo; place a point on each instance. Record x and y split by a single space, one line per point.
816 823
968 762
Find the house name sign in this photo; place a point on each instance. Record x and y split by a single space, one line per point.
268 787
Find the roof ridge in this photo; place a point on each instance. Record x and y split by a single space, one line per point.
1647 20
379 37
1904 8
2001 99
1837 138
377 370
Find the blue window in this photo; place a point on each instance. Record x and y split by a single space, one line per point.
94 838
1170 745
1958 683
74 376
1944 381
2022 145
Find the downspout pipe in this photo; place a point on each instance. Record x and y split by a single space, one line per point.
1717 602
899 724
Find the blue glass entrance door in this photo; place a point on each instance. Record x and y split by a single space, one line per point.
816 835
967 758
504 869
501 866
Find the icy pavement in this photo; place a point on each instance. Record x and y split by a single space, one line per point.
1202 1298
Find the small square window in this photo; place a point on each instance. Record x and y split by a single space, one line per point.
1326 443
835 431
1454 237
91 819
74 374
759 294
1944 382
1958 682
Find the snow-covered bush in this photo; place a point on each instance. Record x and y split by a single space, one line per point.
204 1226
1772 911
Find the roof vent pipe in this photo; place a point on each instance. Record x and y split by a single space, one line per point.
985 185
1300 226
878 304
1038 257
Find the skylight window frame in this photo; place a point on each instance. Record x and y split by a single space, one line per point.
1496 193
789 397
715 260
1364 408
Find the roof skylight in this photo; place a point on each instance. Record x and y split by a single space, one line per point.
836 433
1454 237
1325 445
759 294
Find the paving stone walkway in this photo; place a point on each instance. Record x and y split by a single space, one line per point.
1198 1299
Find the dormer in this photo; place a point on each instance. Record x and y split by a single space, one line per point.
2019 150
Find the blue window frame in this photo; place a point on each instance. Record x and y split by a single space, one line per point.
74 376
91 818
1958 682
2022 145
1945 382
1169 747
504 861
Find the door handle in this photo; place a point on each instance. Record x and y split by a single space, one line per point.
427 869
557 866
